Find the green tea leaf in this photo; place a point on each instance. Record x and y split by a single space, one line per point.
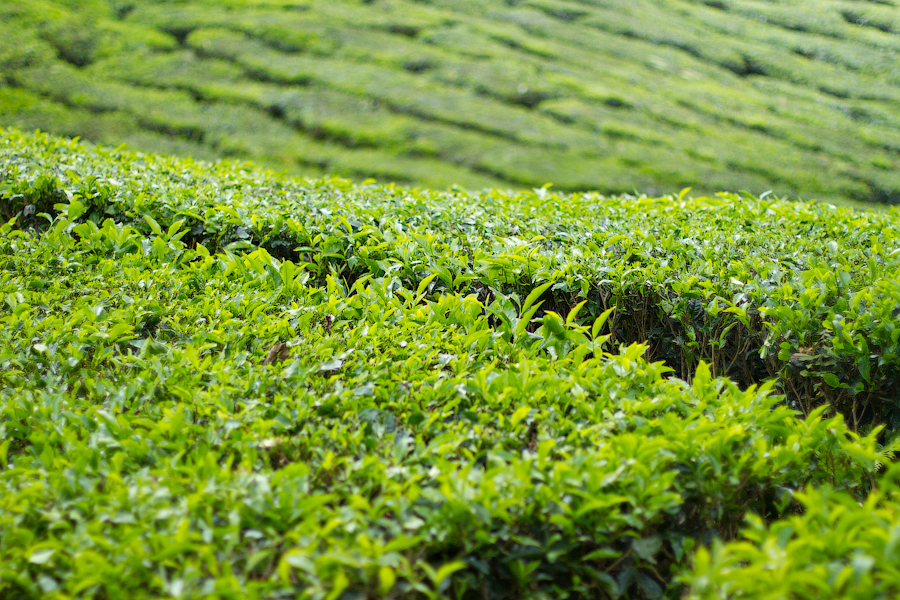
41 556
518 415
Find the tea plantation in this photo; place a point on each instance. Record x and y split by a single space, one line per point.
219 382
792 96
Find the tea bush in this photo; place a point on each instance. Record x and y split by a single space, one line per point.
838 547
217 381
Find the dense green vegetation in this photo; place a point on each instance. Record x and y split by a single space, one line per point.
796 97
217 382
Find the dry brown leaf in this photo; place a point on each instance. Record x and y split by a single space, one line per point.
277 353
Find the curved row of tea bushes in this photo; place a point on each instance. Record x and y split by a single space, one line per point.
615 97
179 423
758 288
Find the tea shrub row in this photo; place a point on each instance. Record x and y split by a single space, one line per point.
612 96
756 287
218 382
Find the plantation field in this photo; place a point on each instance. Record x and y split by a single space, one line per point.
796 97
218 382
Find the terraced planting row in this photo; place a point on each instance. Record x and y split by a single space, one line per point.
219 382
607 96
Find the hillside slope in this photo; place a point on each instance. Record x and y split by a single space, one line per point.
610 95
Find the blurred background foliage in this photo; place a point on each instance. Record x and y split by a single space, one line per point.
612 95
